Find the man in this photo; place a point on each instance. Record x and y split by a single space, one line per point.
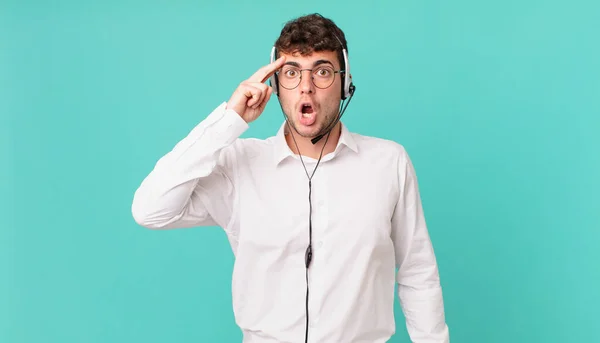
318 217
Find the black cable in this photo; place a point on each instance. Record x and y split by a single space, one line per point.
308 254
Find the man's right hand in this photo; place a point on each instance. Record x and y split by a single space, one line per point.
251 96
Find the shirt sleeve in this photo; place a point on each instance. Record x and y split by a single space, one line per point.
193 184
418 278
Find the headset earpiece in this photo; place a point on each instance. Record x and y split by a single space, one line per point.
273 79
347 86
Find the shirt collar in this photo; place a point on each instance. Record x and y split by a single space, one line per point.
283 151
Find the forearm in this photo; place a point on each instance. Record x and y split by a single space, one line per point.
420 291
423 310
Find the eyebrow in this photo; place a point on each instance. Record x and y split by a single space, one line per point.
319 62
316 63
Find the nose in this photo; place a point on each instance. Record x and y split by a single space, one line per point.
306 83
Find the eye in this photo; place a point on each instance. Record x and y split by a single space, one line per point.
290 73
324 72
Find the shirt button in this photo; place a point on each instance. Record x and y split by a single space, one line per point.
320 244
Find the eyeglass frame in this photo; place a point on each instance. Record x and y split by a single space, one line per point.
312 78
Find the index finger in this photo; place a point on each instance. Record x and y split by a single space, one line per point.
264 73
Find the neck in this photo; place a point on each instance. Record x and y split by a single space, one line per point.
308 149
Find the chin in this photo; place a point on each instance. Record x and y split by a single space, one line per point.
306 131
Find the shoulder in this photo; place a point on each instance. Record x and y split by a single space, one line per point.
251 147
379 147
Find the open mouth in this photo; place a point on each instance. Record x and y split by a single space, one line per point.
308 114
306 110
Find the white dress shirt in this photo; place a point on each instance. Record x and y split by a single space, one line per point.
367 220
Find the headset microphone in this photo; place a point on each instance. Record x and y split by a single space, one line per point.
352 88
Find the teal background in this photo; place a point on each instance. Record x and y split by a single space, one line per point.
498 104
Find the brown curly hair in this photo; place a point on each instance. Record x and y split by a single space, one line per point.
311 33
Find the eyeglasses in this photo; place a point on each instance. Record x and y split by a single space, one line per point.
322 77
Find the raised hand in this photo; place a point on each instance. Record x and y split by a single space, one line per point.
251 96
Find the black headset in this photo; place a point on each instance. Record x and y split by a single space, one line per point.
348 89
